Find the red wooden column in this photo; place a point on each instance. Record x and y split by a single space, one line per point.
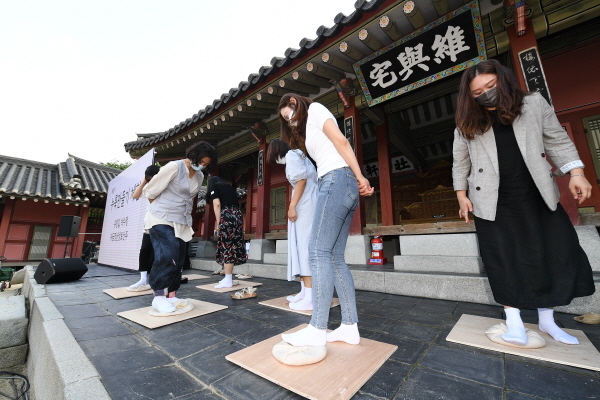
77 247
264 193
249 191
385 174
6 216
209 214
358 221
518 44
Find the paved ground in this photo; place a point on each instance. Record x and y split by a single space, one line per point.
186 361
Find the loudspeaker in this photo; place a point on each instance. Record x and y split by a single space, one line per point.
69 226
53 270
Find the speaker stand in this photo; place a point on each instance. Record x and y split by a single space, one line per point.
66 245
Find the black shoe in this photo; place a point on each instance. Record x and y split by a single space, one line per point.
184 280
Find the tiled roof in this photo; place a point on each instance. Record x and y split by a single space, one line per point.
66 181
340 21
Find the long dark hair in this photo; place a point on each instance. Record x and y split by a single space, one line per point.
295 136
473 119
278 148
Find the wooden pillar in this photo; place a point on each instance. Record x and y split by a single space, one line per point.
249 191
518 44
358 221
209 214
385 174
5 223
77 248
264 193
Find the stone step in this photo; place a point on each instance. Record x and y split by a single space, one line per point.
444 264
473 288
276 258
281 246
456 244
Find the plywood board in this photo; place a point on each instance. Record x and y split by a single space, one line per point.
240 286
470 331
123 293
193 277
283 304
338 377
141 316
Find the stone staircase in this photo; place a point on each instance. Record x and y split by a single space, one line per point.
438 266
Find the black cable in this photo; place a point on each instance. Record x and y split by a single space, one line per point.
23 389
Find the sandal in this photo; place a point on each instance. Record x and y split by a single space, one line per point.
591 318
218 272
245 293
244 276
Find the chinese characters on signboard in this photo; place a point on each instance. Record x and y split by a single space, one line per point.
399 164
261 164
349 130
533 73
442 48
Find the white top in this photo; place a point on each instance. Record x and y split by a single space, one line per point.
158 183
318 145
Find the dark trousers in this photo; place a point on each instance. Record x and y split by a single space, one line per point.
146 254
169 255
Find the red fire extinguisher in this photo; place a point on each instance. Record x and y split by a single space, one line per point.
377 257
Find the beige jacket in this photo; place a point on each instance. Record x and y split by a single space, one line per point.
538 134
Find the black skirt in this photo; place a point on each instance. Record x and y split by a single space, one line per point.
531 254
231 247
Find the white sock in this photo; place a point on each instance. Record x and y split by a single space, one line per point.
547 325
299 296
309 336
345 333
225 282
162 304
142 281
174 299
516 330
306 303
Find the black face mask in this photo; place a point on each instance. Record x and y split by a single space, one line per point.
488 99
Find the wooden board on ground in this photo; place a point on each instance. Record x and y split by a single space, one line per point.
338 377
283 304
470 331
240 286
193 277
123 293
141 316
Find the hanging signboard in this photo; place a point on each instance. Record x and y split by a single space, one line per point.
533 73
349 131
261 165
439 49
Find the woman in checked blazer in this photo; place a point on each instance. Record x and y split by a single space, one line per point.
501 174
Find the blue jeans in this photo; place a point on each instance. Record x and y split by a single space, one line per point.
336 201
169 255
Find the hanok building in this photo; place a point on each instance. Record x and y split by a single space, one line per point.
35 195
389 72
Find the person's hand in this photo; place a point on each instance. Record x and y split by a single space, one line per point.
580 188
465 206
364 187
292 216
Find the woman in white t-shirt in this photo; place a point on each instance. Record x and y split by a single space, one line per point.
311 128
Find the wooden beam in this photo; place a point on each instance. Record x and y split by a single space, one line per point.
311 79
325 72
421 228
369 40
390 28
336 62
292 85
351 51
